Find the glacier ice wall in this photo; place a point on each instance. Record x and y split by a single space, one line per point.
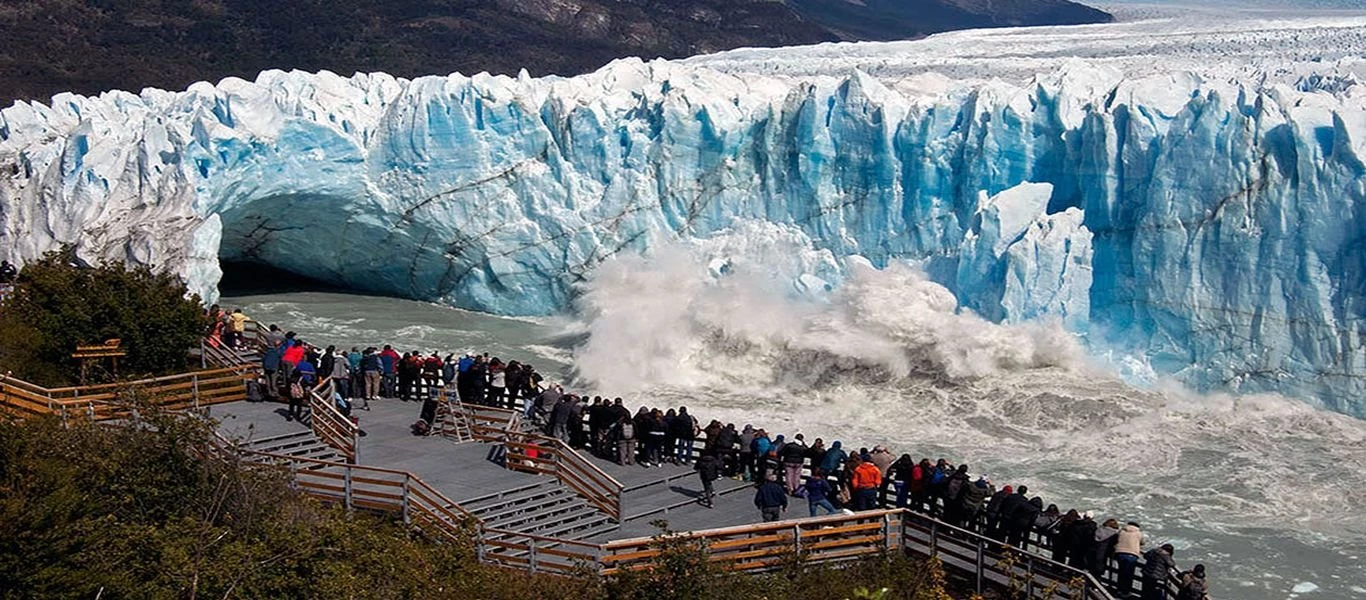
1214 227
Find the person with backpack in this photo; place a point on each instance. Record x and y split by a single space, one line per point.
341 374
708 470
625 435
297 393
1193 586
1079 536
953 490
388 361
760 448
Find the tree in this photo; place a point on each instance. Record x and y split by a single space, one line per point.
60 302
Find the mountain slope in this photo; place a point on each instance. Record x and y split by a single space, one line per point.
88 46
900 19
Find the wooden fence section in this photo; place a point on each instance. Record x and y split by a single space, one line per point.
118 400
330 425
538 554
532 453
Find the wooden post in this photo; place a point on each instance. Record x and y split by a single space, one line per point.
347 485
887 532
404 499
934 539
194 389
531 544
1029 574
797 538
981 564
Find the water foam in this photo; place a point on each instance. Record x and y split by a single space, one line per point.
888 356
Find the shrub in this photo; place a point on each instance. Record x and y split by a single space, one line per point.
58 303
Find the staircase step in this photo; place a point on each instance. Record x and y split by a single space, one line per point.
560 519
519 520
564 529
544 489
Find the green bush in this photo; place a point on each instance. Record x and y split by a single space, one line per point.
59 303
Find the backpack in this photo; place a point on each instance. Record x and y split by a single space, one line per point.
343 405
955 486
800 492
254 391
296 390
421 427
628 431
937 476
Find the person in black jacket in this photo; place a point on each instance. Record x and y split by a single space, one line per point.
708 470
1080 534
971 501
899 477
953 491
1005 517
727 447
993 512
1022 521
1157 565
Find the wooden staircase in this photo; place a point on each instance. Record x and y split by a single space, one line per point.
301 444
545 509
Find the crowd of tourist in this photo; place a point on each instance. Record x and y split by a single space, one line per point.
829 478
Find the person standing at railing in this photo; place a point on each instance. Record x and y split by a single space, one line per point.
374 372
793 457
237 328
388 359
270 364
1158 565
746 453
770 498
865 480
971 501
291 355
1128 548
1193 585
625 434
1103 547
684 428
353 360
341 374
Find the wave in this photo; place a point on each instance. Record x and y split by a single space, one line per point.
888 356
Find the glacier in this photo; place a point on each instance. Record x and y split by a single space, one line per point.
1196 200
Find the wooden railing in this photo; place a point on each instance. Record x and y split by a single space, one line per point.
330 425
757 547
532 453
536 553
118 400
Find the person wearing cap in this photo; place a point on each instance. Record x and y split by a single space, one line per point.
1193 585
1157 565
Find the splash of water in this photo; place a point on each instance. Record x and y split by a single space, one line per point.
888 356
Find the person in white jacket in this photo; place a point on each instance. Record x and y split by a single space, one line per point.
1128 548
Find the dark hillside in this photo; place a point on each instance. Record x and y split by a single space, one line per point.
89 46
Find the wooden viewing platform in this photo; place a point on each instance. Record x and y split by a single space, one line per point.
530 501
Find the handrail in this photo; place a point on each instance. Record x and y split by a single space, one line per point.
744 548
556 458
330 425
100 402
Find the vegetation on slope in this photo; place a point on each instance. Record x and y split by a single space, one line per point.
147 512
60 302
